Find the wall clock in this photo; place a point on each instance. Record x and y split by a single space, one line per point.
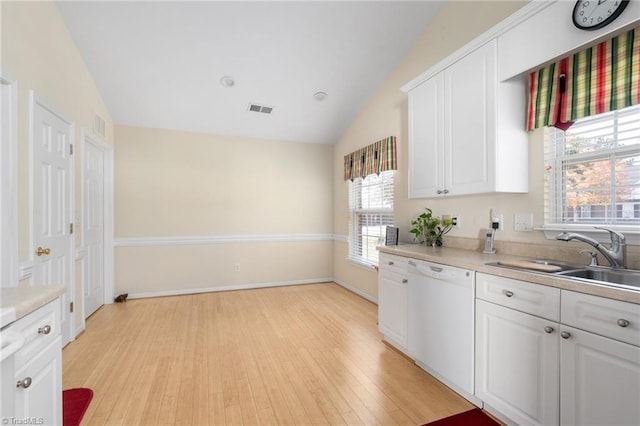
595 14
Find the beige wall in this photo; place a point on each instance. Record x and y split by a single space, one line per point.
386 114
38 52
191 185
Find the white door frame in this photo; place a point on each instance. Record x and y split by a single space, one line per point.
8 181
88 137
34 100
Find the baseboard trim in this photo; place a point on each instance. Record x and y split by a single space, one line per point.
227 288
356 291
219 239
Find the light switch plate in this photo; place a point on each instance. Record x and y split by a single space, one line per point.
523 221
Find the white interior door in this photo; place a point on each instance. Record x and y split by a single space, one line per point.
52 191
93 184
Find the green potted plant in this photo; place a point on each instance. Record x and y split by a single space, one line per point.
430 228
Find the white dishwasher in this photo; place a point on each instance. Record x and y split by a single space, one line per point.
441 314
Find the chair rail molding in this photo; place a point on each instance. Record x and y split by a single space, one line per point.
217 239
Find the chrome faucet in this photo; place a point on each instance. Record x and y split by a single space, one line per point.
616 255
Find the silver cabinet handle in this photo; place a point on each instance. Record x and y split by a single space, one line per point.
404 281
507 293
439 191
565 334
44 330
390 262
548 330
446 191
623 323
24 383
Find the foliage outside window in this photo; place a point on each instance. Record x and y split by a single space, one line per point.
592 171
370 212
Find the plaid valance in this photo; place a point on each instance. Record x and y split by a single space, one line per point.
602 78
375 158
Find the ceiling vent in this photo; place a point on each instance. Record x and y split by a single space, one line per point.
260 108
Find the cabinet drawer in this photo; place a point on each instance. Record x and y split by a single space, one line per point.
606 317
39 329
392 263
526 297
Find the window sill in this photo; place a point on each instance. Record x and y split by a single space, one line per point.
631 233
362 265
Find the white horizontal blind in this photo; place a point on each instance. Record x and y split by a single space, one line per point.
592 171
371 211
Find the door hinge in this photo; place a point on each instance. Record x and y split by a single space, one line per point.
70 149
71 228
71 307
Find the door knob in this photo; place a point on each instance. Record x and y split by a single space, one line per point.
40 251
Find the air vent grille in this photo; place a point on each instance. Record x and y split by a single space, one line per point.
260 108
99 126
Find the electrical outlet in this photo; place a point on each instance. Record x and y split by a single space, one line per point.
236 267
456 221
523 222
499 218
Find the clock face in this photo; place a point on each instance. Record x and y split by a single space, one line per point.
595 14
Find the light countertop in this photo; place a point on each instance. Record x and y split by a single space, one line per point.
477 261
16 302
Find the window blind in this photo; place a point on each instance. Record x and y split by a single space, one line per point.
371 211
592 170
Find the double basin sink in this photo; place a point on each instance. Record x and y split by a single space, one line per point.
616 277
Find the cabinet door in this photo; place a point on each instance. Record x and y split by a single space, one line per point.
392 308
470 122
600 380
517 364
425 138
40 395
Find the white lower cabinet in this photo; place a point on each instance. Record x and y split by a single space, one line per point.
392 300
580 366
39 395
37 381
517 364
599 380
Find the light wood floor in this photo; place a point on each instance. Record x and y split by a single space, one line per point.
304 355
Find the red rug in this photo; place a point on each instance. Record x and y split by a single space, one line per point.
475 417
74 404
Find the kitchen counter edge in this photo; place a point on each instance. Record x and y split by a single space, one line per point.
21 301
477 261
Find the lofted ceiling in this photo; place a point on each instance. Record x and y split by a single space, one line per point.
159 64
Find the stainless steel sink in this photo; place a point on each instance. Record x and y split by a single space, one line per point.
625 277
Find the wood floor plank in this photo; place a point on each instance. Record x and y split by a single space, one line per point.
299 355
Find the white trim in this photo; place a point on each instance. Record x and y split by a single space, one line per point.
356 291
341 238
228 288
25 270
517 18
81 253
218 239
9 271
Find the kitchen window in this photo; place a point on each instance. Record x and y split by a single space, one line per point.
370 212
592 171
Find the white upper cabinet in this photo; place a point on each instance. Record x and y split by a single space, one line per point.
466 130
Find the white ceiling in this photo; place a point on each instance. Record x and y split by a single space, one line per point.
159 64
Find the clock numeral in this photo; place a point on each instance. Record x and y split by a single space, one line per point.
585 4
